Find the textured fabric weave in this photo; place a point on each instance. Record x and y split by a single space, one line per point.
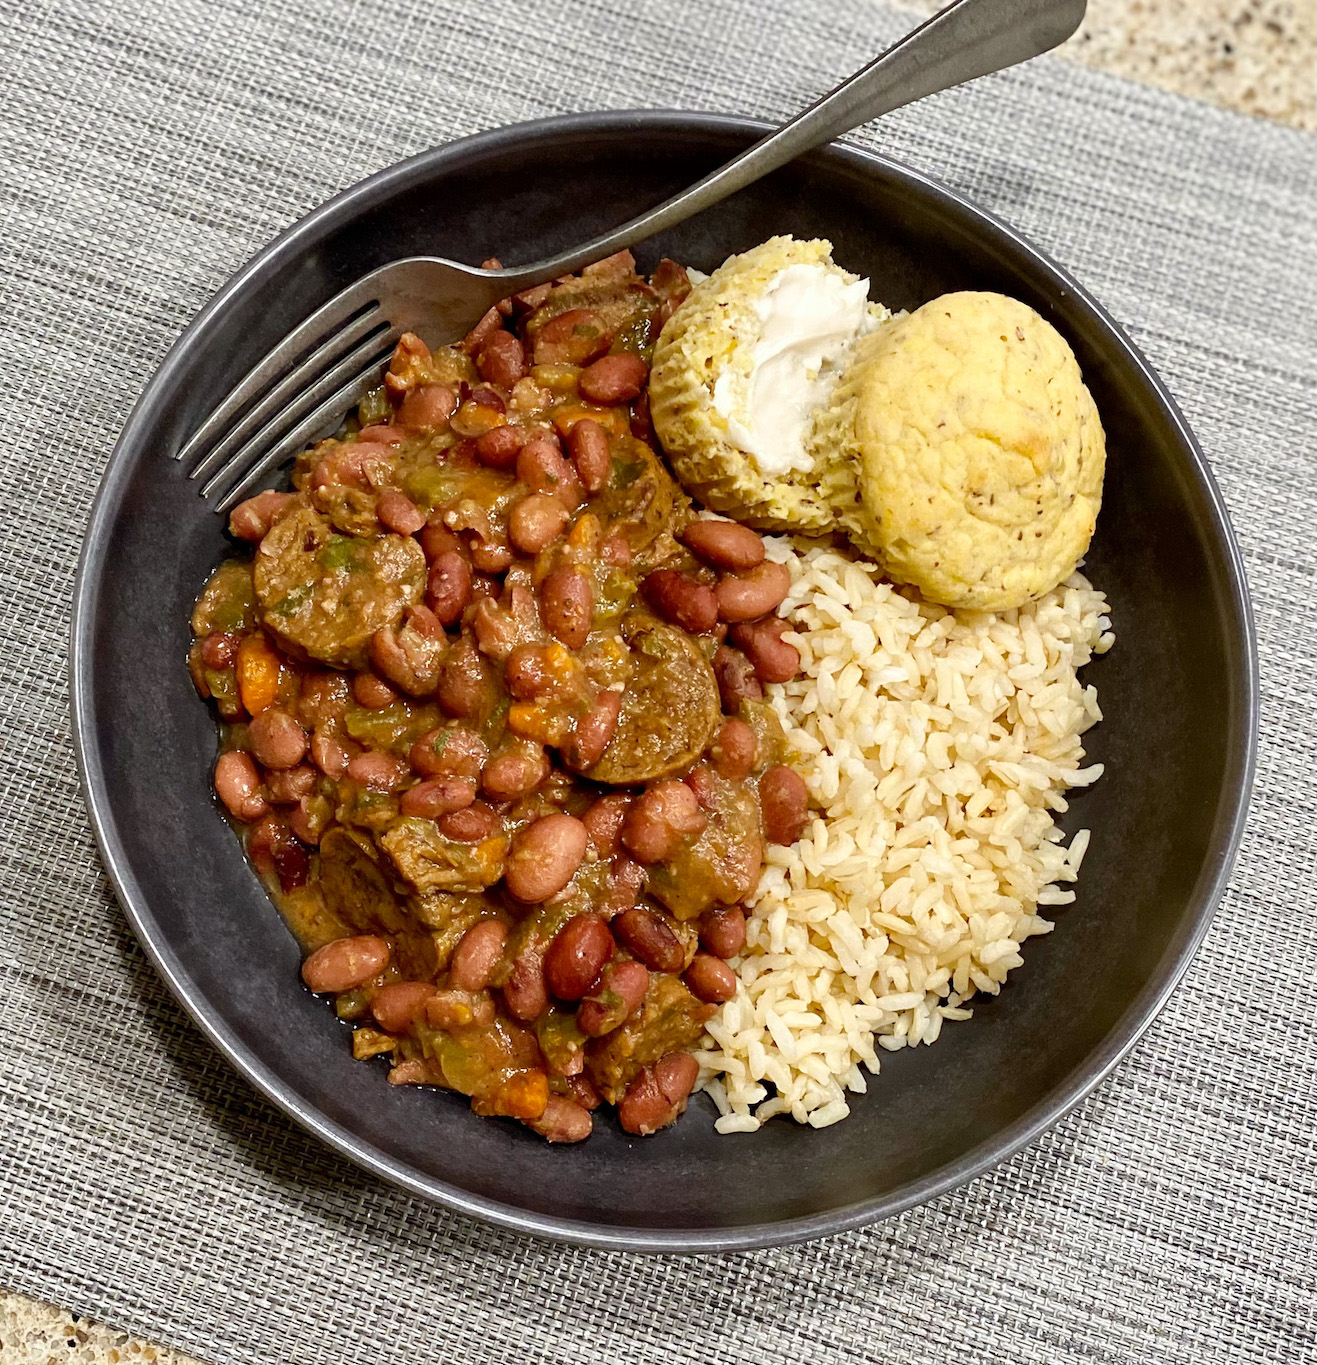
150 147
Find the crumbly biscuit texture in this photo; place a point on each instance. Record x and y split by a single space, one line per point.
980 452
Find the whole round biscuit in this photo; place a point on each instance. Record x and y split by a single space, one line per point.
980 452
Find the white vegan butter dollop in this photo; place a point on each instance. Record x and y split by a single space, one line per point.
809 317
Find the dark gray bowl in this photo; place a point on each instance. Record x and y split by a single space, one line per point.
1178 691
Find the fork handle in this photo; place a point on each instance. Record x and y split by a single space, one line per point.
967 39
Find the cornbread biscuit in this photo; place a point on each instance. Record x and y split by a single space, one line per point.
980 452
706 356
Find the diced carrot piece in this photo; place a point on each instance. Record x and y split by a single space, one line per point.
259 672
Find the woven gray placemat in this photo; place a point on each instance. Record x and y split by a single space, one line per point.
151 146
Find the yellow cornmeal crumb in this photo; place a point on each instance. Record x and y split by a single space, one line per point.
980 451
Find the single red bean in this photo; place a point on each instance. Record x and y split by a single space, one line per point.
429 407
524 992
219 649
725 544
250 520
615 550
329 754
498 447
536 521
372 691
658 1095
588 442
577 955
737 679
397 1004
471 825
773 659
324 697
541 467
722 930
613 379
399 513
277 740
508 777
476 955
704 784
567 606
735 749
490 556
662 816
754 593
289 785
238 785
603 823
526 672
448 589
380 772
464 683
502 361
676 1074
310 818
575 337
382 435
479 336
614 999
710 979
345 964
437 796
563 1120
784 800
437 539
583 1091
544 857
650 939
594 732
451 749
680 599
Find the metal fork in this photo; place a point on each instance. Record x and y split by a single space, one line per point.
305 385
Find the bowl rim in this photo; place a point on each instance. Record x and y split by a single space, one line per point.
1208 889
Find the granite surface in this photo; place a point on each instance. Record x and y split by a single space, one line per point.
1253 56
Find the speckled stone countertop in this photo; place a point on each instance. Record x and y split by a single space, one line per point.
1255 56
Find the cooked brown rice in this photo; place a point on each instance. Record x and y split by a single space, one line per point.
937 746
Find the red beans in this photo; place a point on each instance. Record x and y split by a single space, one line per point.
277 740
372 691
754 593
397 1004
541 467
577 955
544 857
330 755
662 817
476 955
773 659
659 1094
250 520
499 446
726 545
567 606
452 749
479 336
784 800
463 684
615 550
524 992
345 964
526 672
563 1120
437 796
613 379
588 442
238 785
380 772
722 930
603 823
490 556
575 337
289 785
448 590
437 539
614 999
399 513
710 979
472 824
502 361
219 649
680 599
594 732
508 777
430 407
737 679
734 750
536 522
649 939
382 435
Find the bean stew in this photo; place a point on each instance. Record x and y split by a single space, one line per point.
492 715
